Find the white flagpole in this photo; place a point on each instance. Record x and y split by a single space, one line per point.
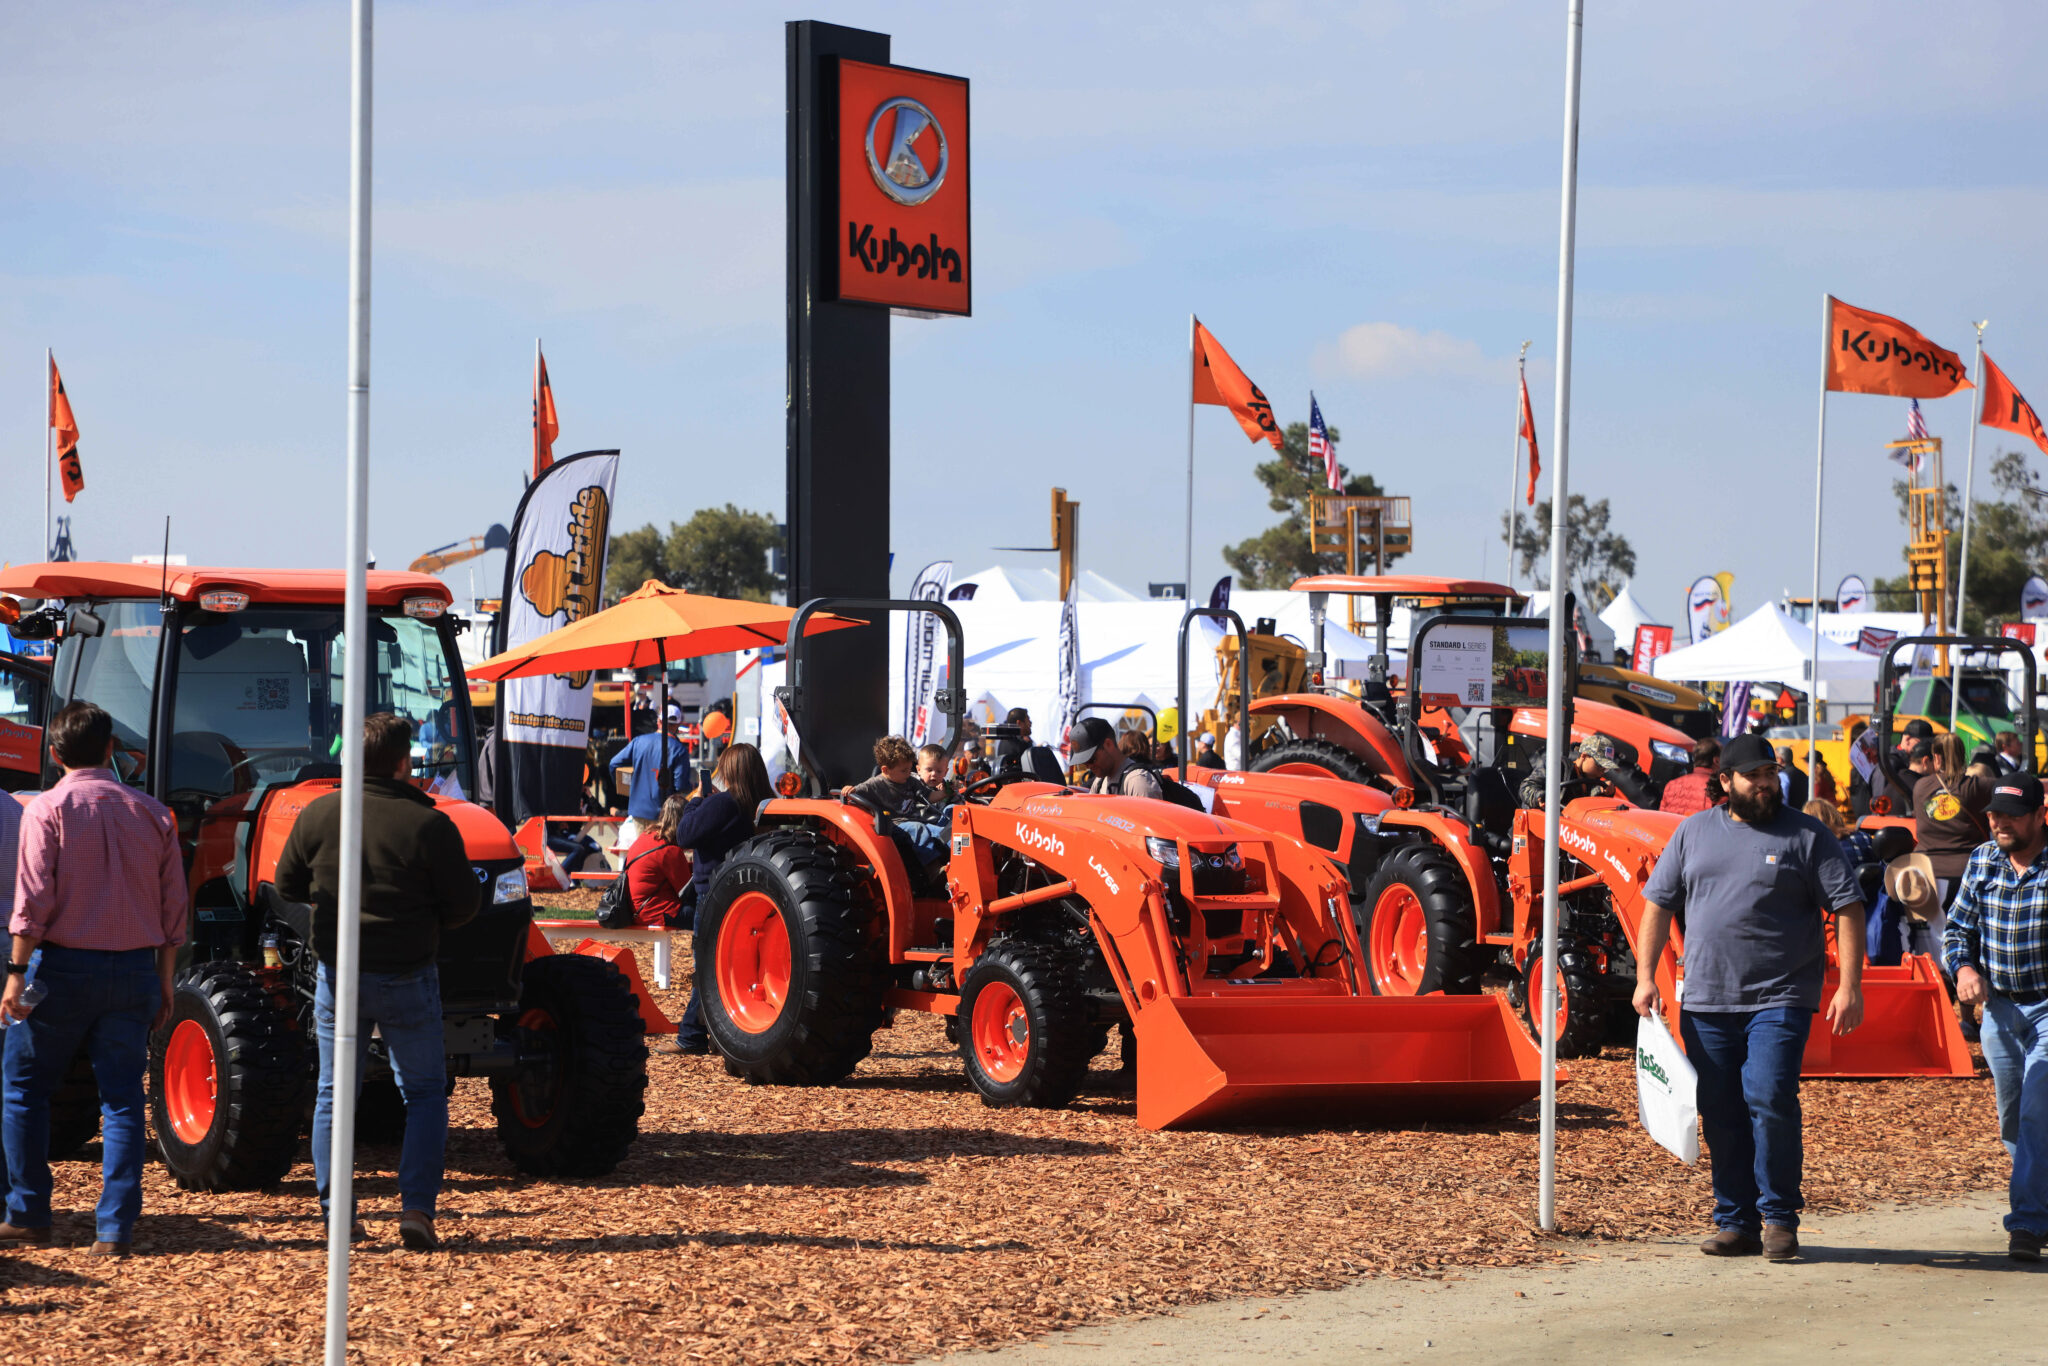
1955 690
536 408
1514 468
1189 570
355 628
49 438
1558 733
1820 451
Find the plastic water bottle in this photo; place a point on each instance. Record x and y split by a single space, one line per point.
31 996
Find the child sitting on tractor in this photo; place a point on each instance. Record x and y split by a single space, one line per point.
895 791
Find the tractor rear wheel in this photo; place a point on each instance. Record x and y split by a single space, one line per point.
1417 924
1314 759
789 983
573 1105
1582 1006
1028 1040
227 1082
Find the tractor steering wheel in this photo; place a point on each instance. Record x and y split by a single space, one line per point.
982 791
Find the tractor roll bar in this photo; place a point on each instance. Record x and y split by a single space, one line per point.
1087 707
951 699
1995 645
1244 709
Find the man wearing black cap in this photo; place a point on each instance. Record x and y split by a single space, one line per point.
1091 744
1996 947
1756 881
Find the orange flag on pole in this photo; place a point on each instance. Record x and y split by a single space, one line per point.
2006 410
1869 353
546 426
1529 435
1219 381
66 427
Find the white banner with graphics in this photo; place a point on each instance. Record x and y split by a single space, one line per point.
1068 706
921 654
2034 600
1456 668
554 576
1852 595
1703 607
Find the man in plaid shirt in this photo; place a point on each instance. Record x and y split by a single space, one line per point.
1996 948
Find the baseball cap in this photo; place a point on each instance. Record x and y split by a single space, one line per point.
1085 736
675 714
1746 754
1599 749
1205 741
2016 795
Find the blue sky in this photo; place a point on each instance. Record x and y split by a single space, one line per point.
1361 199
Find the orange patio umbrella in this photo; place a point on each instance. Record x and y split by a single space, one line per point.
650 627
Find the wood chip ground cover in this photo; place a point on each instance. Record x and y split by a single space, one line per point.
896 1217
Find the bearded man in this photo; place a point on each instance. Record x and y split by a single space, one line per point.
1756 882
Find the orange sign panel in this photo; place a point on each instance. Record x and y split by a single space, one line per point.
901 231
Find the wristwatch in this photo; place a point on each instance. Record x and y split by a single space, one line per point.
17 969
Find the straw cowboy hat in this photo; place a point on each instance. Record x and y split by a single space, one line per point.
1909 880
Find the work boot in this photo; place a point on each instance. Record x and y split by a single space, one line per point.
103 1248
1781 1244
416 1231
695 1048
11 1236
2023 1246
1731 1242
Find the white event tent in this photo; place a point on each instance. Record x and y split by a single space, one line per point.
1767 646
1623 615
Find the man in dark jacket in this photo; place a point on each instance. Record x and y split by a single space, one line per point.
417 882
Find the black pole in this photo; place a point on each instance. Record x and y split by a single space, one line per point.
838 416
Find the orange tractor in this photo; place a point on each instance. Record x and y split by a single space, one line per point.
1049 917
1448 879
225 688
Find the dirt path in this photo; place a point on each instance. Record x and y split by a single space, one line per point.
1920 1284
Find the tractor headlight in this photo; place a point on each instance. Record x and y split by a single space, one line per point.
1677 754
1163 851
509 887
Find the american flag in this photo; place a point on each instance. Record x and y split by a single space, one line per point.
1319 444
1916 425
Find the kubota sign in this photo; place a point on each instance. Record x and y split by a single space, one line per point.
901 229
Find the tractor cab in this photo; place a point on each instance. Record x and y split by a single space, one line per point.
1988 704
24 707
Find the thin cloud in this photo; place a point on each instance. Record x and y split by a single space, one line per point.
1379 351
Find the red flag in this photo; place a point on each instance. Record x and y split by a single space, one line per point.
1219 381
66 427
546 426
1869 353
1529 435
2006 410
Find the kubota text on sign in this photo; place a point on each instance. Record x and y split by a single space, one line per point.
901 235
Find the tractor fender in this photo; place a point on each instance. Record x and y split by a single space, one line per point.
855 829
1456 839
1343 722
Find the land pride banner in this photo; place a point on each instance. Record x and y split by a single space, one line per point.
553 576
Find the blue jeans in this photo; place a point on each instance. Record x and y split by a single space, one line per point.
2015 1040
102 1002
690 1029
1749 1110
405 1008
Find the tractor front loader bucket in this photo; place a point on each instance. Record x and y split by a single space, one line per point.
1252 1055
1908 1030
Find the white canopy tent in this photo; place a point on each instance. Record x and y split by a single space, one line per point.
1767 646
1623 615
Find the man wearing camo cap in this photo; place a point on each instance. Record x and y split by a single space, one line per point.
1596 768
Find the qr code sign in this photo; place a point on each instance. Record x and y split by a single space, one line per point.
1475 691
273 694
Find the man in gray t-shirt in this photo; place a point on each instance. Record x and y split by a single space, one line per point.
1755 882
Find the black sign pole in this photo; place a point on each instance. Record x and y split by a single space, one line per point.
838 418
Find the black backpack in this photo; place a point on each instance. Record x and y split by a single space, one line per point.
615 908
1171 788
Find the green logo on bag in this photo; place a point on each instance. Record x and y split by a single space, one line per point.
1646 1063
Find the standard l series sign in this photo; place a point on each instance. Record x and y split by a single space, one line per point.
901 235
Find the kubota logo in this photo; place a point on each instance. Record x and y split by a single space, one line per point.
1032 837
1103 873
1577 841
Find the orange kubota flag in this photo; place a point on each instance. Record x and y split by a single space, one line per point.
1529 435
2006 410
1869 353
1219 381
66 428
546 426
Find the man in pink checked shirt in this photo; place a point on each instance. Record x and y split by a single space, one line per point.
99 913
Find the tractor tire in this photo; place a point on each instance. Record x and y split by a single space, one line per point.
573 1106
228 1081
789 979
1418 926
1028 1040
1583 1008
1315 759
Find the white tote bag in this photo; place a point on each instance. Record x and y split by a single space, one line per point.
1666 1090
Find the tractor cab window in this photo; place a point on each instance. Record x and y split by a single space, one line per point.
116 668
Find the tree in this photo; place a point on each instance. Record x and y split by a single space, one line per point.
1280 554
722 552
2008 541
1597 561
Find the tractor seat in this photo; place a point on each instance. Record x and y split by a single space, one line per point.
1490 809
